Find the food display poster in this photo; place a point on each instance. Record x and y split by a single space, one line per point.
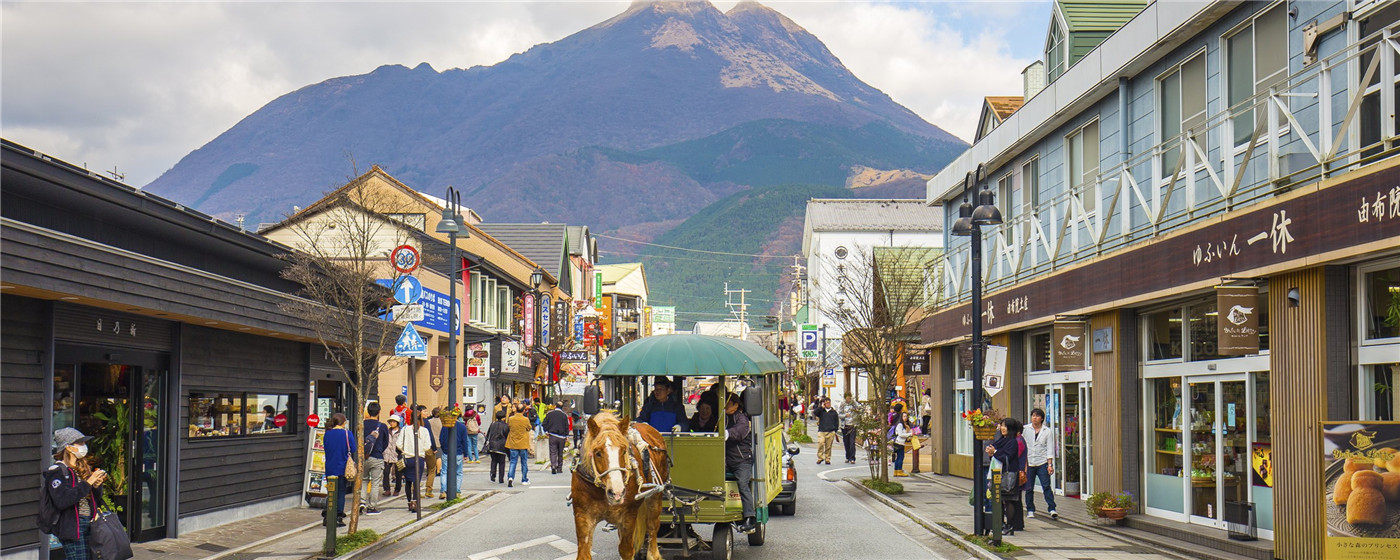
316 462
1361 489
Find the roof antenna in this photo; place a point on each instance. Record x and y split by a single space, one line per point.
119 176
239 217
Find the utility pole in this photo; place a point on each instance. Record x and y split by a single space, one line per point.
452 224
739 310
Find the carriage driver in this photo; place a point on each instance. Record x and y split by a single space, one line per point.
661 411
738 458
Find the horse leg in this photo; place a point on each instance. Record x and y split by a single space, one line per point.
584 523
630 536
653 529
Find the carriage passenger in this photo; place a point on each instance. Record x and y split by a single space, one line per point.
661 411
704 419
738 458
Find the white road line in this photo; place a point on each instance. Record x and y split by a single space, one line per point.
512 548
564 546
569 556
822 475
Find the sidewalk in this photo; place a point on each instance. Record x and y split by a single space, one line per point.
297 532
941 501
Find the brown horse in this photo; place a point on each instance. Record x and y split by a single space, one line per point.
613 469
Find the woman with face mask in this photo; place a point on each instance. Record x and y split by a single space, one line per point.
74 489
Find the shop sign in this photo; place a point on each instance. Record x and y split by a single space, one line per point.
578 328
312 420
478 359
598 290
590 333
527 331
510 356
965 355
1068 338
561 322
994 371
573 356
663 314
916 364
1103 340
437 372
1360 522
546 316
1237 320
605 319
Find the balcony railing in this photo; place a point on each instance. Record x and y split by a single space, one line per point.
1312 124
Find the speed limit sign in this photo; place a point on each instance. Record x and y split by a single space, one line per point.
405 259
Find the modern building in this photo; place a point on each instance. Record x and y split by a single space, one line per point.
162 332
1187 156
839 237
624 293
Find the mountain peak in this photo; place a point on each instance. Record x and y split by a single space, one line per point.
749 10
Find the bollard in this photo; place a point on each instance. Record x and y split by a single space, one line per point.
996 509
332 515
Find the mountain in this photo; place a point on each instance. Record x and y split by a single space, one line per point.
669 106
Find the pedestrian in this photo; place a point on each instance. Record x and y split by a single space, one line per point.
576 420
415 441
1008 449
472 420
927 407
828 422
376 442
901 430
393 476
503 404
556 428
849 412
518 443
72 489
1040 462
663 410
738 458
496 446
338 444
540 408
451 462
401 410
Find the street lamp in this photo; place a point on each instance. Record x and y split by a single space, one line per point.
453 225
969 224
537 278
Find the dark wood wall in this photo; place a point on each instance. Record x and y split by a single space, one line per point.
219 473
24 354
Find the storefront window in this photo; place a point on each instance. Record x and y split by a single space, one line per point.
1164 334
63 404
1203 333
1382 305
1163 480
1378 387
1040 352
962 434
239 414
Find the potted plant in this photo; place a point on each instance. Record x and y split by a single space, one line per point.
1108 505
984 424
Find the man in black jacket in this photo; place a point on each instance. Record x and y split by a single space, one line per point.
376 438
738 458
556 428
828 421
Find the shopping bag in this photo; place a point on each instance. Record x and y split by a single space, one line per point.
108 538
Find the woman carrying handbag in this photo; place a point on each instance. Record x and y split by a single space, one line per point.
72 489
339 443
1009 449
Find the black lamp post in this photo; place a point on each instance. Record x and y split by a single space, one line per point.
969 223
452 225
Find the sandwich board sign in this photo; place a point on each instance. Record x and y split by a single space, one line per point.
410 344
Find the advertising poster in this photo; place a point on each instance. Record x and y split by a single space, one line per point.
1361 489
316 462
478 359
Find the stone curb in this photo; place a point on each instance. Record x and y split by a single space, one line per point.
954 537
399 534
279 536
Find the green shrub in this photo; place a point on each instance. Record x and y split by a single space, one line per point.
984 542
889 488
354 541
798 432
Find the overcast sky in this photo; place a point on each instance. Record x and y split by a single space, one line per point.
137 86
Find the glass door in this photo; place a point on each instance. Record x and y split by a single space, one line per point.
1086 469
1204 449
1071 468
1234 444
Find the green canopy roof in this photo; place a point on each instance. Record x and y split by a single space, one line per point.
689 354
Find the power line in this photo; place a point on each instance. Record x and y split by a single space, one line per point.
672 258
692 250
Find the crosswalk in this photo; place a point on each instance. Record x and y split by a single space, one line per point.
555 541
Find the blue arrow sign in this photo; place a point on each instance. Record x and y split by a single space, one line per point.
409 290
410 344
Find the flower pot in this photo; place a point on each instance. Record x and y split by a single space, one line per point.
984 432
1113 513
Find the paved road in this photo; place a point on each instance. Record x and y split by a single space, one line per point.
833 521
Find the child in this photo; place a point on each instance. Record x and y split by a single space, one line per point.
496 446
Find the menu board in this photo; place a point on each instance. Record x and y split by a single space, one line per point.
316 462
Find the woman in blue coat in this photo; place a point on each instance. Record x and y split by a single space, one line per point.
339 443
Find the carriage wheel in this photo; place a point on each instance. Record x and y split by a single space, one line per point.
757 536
722 546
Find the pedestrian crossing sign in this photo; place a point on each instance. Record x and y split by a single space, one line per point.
410 344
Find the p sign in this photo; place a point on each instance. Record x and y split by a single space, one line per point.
810 341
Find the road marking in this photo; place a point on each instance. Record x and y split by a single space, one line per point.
564 546
822 475
514 547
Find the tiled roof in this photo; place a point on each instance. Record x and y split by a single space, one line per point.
541 243
1097 15
577 237
1004 105
872 214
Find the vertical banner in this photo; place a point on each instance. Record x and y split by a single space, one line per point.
994 370
527 334
597 290
437 372
1237 325
1360 512
605 319
1068 340
466 302
546 315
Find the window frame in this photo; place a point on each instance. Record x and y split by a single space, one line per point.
290 429
1363 301
1090 187
1248 24
1160 92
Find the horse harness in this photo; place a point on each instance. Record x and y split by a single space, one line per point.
639 446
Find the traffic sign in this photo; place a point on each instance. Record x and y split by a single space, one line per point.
408 290
829 377
411 312
810 341
405 259
410 344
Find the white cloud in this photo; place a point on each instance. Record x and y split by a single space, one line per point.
137 86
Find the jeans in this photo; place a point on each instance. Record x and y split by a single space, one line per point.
1039 474
448 465
898 457
374 475
743 473
521 456
343 488
471 452
848 437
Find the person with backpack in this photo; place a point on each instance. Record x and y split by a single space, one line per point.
376 442
472 421
72 489
496 446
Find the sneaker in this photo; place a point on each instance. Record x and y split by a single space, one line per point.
372 511
510 483
525 482
1030 513
340 524
1054 514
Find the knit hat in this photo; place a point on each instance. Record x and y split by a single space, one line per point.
65 437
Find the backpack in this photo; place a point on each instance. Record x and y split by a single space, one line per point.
48 517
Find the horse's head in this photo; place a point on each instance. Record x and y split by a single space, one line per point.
610 454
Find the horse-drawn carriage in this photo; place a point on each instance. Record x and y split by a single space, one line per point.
681 477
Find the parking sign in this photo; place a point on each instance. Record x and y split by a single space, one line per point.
810 341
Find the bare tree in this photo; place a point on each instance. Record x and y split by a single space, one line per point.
342 247
880 294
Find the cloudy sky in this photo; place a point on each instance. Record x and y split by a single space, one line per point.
136 86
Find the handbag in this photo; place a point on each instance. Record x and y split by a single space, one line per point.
915 443
351 471
108 538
